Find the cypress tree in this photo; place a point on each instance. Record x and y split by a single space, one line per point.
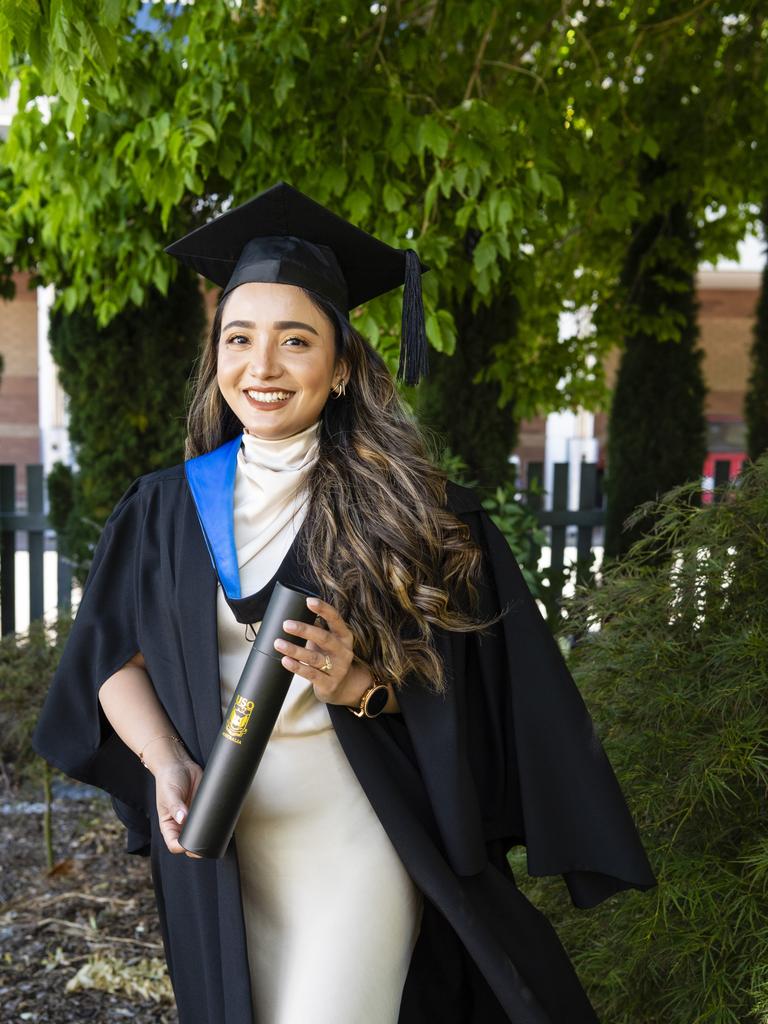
756 398
464 415
125 385
657 428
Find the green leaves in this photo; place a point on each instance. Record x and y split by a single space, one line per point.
392 197
509 157
441 331
358 203
485 253
333 180
69 44
433 137
285 81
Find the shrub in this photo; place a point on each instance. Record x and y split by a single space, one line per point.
676 678
27 663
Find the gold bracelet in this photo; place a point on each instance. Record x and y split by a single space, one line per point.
175 739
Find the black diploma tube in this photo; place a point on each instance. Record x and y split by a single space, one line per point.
246 729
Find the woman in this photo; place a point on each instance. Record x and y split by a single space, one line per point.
367 880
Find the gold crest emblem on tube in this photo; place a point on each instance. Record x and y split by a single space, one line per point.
237 723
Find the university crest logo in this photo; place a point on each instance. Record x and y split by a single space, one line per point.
237 722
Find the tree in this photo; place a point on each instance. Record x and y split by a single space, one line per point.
683 89
756 399
657 429
469 419
420 121
126 384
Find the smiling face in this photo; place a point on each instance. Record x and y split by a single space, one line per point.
275 341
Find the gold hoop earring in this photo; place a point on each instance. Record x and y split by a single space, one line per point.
335 392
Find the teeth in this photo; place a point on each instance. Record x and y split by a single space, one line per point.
269 396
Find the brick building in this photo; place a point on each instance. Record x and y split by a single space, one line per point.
19 414
32 404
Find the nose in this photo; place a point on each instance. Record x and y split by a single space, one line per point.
264 361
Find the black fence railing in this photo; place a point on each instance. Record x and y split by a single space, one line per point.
558 521
586 518
34 523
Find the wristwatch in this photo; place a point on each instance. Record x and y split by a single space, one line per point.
373 701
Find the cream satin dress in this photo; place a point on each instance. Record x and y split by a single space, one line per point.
331 914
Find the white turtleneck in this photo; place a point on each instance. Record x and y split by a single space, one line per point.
269 508
269 483
314 859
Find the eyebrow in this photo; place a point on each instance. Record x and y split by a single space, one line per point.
278 325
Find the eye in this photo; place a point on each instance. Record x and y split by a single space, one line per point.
234 338
295 337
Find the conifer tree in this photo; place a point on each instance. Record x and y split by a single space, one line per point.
657 428
756 399
466 416
125 385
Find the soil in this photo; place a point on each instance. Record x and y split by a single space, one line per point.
88 925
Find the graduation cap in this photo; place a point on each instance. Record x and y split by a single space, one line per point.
283 236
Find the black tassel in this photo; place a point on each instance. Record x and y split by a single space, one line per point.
414 362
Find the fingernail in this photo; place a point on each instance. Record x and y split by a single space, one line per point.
313 602
289 624
179 816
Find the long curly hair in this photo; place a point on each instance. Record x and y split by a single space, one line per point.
378 537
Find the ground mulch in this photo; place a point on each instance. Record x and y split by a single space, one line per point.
80 942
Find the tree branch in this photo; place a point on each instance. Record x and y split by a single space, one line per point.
521 71
480 55
654 26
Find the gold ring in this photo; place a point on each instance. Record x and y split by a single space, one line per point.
328 666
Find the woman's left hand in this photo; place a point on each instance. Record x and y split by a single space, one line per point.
348 678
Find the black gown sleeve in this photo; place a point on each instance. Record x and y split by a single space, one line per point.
543 777
72 732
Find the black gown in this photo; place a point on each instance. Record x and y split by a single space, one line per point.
507 756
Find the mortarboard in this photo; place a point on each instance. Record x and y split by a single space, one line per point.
283 236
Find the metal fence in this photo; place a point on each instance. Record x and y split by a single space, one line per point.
34 523
558 521
586 518
583 521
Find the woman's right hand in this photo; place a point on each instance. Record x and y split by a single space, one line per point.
177 777
131 706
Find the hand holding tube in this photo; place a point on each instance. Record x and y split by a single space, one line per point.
175 788
245 731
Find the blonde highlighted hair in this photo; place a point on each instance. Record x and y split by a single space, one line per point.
378 537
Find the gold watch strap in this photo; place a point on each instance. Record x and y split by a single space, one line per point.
360 711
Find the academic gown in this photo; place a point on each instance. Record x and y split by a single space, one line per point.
508 755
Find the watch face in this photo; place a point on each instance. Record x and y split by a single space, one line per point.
377 701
